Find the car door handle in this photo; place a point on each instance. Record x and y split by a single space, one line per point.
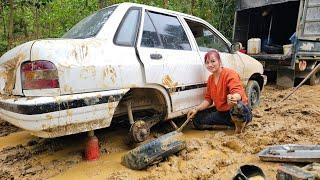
156 56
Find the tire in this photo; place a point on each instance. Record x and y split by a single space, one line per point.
253 93
315 78
154 151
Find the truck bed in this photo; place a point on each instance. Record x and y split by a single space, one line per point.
263 57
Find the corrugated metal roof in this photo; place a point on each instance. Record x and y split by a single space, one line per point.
248 4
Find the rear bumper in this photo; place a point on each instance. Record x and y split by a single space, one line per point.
61 115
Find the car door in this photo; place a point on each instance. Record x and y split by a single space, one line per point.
207 39
170 60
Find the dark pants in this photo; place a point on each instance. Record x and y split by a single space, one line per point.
212 117
239 112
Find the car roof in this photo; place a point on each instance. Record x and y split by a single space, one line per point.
128 4
161 10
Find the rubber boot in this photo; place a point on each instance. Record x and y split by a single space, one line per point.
92 151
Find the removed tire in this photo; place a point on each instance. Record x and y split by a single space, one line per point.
253 93
154 151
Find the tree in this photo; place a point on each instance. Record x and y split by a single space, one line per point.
10 28
193 3
165 4
102 4
2 5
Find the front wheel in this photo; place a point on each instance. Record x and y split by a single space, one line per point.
253 93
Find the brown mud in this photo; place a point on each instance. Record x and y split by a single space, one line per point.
209 154
37 158
6 128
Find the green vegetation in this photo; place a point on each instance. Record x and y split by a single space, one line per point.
25 20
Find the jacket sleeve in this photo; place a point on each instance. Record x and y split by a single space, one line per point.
234 84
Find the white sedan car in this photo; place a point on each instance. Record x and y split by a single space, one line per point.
126 59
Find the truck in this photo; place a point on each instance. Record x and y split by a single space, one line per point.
278 23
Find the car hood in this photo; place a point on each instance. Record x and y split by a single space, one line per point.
252 65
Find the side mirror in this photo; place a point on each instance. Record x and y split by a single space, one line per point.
236 47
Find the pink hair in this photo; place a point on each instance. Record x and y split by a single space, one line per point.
212 53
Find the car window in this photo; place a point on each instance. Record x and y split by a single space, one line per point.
149 36
170 30
205 38
126 34
90 26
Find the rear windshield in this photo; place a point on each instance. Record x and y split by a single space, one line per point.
90 26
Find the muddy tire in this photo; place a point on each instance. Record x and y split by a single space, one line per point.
154 151
253 93
315 78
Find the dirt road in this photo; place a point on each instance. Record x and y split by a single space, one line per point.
210 154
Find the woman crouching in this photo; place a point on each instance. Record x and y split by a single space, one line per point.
226 92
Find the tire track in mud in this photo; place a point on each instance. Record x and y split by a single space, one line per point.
6 128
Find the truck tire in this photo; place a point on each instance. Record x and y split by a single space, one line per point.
154 151
315 78
253 93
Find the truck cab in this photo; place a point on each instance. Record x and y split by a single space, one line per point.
290 23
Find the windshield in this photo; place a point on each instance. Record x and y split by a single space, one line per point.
90 26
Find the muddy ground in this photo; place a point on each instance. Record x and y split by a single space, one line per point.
209 154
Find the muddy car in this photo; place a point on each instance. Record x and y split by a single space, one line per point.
124 60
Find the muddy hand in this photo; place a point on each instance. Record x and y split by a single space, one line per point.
231 100
192 113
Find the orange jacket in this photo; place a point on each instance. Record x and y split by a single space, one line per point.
229 83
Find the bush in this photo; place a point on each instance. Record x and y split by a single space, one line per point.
3 47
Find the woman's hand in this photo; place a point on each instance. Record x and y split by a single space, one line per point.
232 99
192 113
205 104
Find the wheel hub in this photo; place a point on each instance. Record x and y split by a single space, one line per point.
254 96
139 131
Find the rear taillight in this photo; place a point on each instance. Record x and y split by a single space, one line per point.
39 75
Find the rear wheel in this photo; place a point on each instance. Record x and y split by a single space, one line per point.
253 93
139 131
